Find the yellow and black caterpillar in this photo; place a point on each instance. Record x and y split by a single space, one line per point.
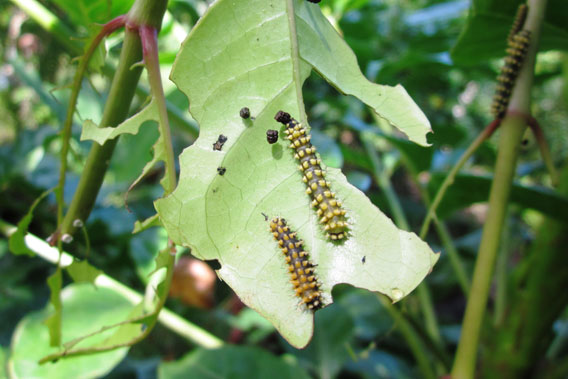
518 43
301 269
329 209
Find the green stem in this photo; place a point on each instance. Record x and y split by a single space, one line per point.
169 319
449 180
512 130
382 178
148 36
116 111
66 132
453 255
414 343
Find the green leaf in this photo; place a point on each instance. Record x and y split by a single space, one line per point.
231 362
53 322
485 34
130 126
86 12
92 131
3 373
327 352
221 216
82 272
85 310
468 189
17 243
150 222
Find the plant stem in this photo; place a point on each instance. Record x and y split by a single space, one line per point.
449 180
414 343
169 319
76 87
116 110
453 255
148 36
512 130
382 178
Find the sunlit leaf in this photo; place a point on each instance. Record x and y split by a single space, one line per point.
221 216
85 310
83 272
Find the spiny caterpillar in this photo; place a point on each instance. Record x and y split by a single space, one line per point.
329 210
518 43
272 136
300 268
519 22
516 52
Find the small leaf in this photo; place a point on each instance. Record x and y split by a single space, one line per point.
82 272
131 126
150 222
17 243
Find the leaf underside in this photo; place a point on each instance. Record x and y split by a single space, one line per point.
241 55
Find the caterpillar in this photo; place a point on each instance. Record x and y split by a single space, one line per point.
300 268
516 53
519 21
220 142
244 113
272 136
329 210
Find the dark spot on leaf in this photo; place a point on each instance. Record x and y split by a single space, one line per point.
220 142
244 112
272 136
364 259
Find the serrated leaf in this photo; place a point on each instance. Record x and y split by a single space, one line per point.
130 126
221 216
83 272
92 131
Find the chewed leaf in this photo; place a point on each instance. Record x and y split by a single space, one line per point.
92 131
331 57
225 196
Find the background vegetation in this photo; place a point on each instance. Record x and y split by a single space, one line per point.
361 334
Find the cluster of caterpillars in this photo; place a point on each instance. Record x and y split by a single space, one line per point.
301 270
518 44
329 209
